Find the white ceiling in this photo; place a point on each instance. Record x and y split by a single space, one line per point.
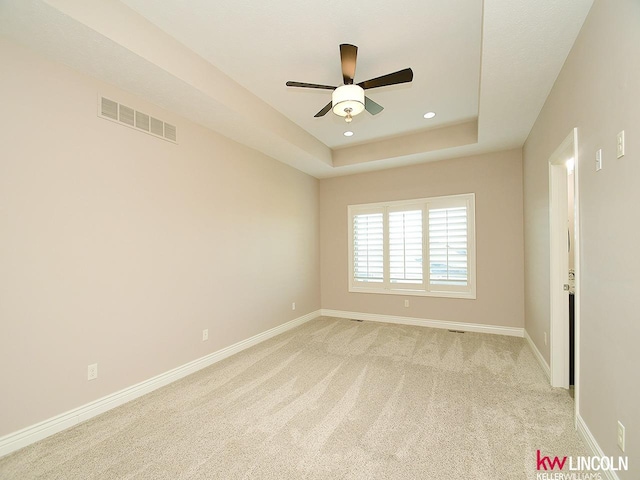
261 45
224 64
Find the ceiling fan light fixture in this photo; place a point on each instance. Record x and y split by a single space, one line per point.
348 101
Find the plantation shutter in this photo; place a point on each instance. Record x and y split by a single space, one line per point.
405 247
422 246
448 246
368 246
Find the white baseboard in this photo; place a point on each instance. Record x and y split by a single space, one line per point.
543 363
22 438
593 446
422 322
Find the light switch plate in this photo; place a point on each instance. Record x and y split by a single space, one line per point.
599 160
621 436
620 144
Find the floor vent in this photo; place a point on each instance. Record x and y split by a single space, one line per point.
112 110
354 320
456 331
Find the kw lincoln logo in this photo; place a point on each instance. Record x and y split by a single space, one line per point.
577 468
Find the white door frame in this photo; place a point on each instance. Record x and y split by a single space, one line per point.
559 264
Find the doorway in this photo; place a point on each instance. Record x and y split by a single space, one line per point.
564 278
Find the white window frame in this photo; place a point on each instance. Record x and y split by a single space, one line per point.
425 288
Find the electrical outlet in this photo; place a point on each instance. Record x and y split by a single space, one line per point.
406 303
293 306
205 334
92 371
621 435
545 338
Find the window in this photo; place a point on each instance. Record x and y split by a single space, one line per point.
367 247
417 247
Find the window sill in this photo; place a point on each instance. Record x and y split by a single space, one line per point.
414 292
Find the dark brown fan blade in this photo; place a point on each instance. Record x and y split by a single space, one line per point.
324 111
401 76
348 55
372 107
310 85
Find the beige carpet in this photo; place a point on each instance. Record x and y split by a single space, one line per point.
332 399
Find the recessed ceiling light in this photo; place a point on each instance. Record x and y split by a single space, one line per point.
429 114
348 133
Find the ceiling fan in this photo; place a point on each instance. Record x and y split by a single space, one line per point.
349 100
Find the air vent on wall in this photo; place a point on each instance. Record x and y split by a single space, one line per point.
157 127
142 121
127 115
124 115
170 132
109 109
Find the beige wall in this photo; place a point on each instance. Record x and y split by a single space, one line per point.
598 91
496 179
120 248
